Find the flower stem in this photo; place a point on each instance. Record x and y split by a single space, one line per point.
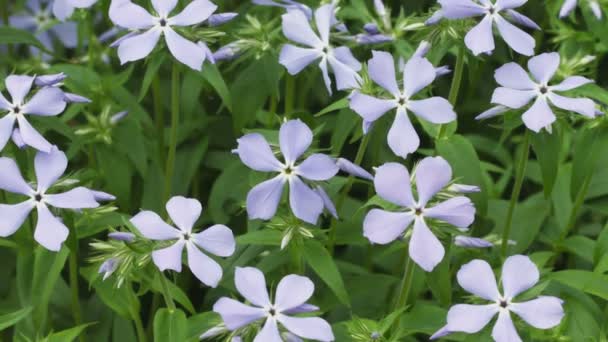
290 88
170 165
455 87
406 283
578 203
166 293
519 179
159 118
349 184
73 265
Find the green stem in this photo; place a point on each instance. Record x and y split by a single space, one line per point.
159 118
73 264
578 203
349 184
166 293
139 327
290 88
174 126
455 87
4 9
519 179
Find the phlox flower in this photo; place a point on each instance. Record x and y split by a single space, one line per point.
417 74
289 5
294 139
297 29
48 101
569 6
63 9
292 293
137 46
480 39
184 212
392 183
518 89
50 231
519 274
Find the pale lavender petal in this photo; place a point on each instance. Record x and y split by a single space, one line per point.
582 106
471 242
116 118
184 212
435 109
203 267
470 318
293 290
571 83
153 227
294 139
18 86
323 16
137 47
49 167
108 267
313 328
317 167
82 3
435 18
50 231
459 9
75 98
304 308
345 56
511 75
295 58
62 9
251 284
24 22
464 188
392 183
7 124
544 312
306 204
194 13
370 108
11 179
512 98
504 330
169 258
477 278
325 74
67 33
442 71
492 112
221 18
4 104
122 38
364 39
226 53
235 314
539 115
383 227
16 138
417 74
402 137
77 198
296 28
269 333
521 19
381 69
254 151
519 273
480 38
457 211
50 80
442 332
596 9
432 175
263 199
12 216
47 101
327 203
164 7
567 7
507 4
353 169
129 15
544 66
31 137
122 236
366 126
217 239
346 77
425 249
183 50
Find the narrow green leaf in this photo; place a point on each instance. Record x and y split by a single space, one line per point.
170 326
68 335
212 74
340 104
319 259
10 319
261 237
589 282
152 68
546 148
11 35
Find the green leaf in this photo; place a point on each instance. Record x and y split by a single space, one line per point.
264 237
212 74
319 259
68 335
340 104
10 319
546 148
47 270
170 326
583 159
11 35
152 68
589 282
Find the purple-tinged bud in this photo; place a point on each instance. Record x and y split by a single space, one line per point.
74 98
109 34
435 18
213 332
226 52
441 333
304 308
365 39
595 8
118 117
375 335
371 28
341 27
49 80
122 236
522 19
471 242
121 39
101 196
353 169
492 112
366 126
221 18
379 7
442 71
463 188
423 49
108 267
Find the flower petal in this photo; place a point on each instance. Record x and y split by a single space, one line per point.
383 227
544 312
11 179
169 258
504 330
62 9
203 267
436 110
164 7
236 314
492 112
539 115
313 328
345 56
432 175
196 12
254 151
567 7
18 86
571 83
582 106
477 278
4 104
470 318
516 38
457 211
381 69
48 101
50 231
31 137
507 4
353 169
184 212
417 74
325 74
77 198
269 333
151 226
251 284
512 75
49 167
544 66
7 123
425 249
512 98
130 16
296 28
392 183
217 239
370 108
138 46
519 273
293 290
459 9
522 20
306 204
346 77
184 50
402 137
294 138
295 58
12 216
480 38
263 199
327 203
323 17
317 167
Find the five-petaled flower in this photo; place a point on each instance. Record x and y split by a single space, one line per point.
392 183
184 212
569 6
293 291
417 74
294 139
128 15
519 274
297 28
481 38
50 232
518 90
48 101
